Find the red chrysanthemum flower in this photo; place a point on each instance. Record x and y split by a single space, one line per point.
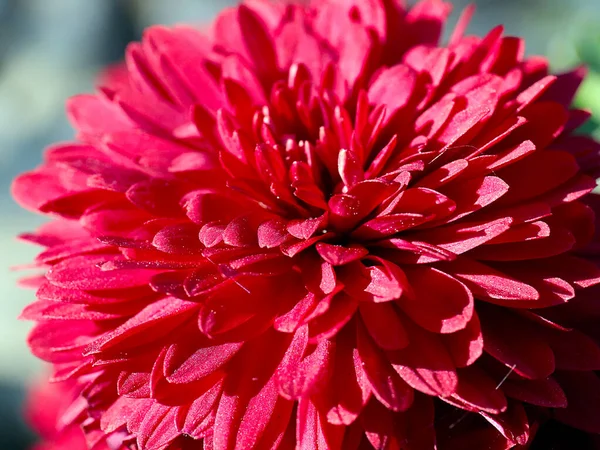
317 228
55 412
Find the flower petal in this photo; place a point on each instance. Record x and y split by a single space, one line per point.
439 303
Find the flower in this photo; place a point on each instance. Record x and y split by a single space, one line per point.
318 228
51 410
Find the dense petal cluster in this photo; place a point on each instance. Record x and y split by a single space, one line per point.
316 227
55 414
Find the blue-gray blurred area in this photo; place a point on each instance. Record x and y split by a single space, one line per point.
51 49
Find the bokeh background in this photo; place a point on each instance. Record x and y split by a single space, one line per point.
51 49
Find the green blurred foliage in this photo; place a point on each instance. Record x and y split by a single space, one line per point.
588 97
585 43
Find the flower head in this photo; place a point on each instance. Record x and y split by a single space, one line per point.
56 413
319 228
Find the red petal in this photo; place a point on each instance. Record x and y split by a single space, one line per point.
552 289
522 233
244 304
393 88
117 414
74 204
240 232
486 282
234 69
384 325
546 393
444 174
82 272
71 249
313 432
157 197
564 88
387 282
199 415
440 304
512 155
513 424
538 173
91 114
583 400
304 229
46 310
425 21
272 233
33 189
250 396
349 168
425 364
319 276
185 53
339 313
515 343
113 220
383 226
53 342
257 41
150 324
338 255
465 346
560 241
182 367
418 423
475 194
158 427
265 419
48 291
481 102
294 318
462 237
378 423
429 203
387 386
178 239
348 389
573 350
478 391
299 375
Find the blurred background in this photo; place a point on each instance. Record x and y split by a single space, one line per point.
50 50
